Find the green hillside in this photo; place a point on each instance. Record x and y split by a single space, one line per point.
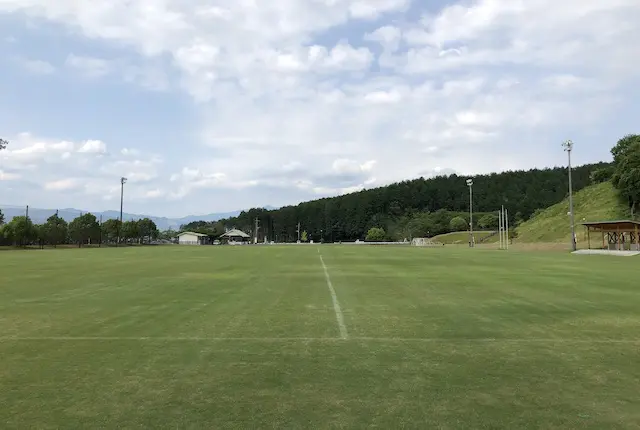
594 203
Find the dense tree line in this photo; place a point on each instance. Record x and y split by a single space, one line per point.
416 208
83 230
625 172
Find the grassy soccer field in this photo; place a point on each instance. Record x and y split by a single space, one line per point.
249 337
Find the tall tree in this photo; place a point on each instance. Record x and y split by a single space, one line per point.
110 229
6 234
147 229
623 146
130 230
22 230
1 217
627 176
84 229
55 231
3 144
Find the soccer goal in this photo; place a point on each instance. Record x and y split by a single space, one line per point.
424 241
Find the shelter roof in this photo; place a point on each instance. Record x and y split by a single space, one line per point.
192 233
236 233
613 225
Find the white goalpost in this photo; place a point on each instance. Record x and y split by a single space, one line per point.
424 241
503 228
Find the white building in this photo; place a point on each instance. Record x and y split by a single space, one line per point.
190 238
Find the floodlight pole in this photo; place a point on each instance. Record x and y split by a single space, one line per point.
506 222
123 180
568 147
470 185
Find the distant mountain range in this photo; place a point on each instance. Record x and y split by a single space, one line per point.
40 216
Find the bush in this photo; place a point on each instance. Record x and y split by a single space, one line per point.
458 224
489 221
376 234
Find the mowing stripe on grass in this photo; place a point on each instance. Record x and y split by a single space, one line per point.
336 305
312 339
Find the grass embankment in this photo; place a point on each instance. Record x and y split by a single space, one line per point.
462 237
595 203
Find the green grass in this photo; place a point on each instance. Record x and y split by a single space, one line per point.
247 337
595 203
463 237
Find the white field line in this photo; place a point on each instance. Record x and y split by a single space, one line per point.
315 339
336 305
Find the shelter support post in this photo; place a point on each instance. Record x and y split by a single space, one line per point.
589 237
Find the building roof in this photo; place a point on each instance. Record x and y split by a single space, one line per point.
613 225
192 234
236 233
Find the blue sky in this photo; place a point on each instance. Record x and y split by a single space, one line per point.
210 106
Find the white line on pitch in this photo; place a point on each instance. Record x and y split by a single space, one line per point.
336 305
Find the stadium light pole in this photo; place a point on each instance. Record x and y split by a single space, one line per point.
470 185
123 180
568 147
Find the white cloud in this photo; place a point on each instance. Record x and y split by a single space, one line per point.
38 67
383 97
279 81
93 147
154 194
6 176
370 9
388 36
52 168
89 66
343 165
68 184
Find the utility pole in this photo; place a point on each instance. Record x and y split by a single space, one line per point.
255 240
568 147
55 235
123 180
470 185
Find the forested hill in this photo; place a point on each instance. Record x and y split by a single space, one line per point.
398 206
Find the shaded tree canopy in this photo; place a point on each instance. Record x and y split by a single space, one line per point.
626 177
623 146
84 228
110 230
20 231
489 221
376 234
55 230
458 224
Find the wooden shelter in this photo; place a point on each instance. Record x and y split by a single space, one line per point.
616 235
235 236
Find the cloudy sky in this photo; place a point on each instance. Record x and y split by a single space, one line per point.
212 105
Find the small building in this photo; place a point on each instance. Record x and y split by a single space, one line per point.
235 236
616 235
190 238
